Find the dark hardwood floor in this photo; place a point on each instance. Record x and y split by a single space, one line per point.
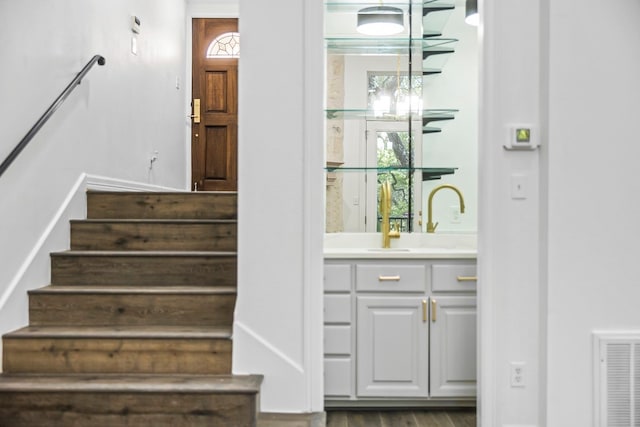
410 418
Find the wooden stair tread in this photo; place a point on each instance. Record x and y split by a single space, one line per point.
163 193
155 290
135 327
117 383
141 332
168 205
154 221
144 254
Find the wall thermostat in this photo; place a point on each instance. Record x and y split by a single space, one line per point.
522 137
135 24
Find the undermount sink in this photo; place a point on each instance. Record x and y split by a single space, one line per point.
388 249
409 245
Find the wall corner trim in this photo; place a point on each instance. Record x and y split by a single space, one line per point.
26 264
84 182
268 346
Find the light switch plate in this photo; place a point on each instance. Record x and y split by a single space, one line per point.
519 186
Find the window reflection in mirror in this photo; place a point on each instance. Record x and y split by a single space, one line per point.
378 83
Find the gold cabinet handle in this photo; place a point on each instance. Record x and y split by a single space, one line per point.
433 310
424 310
467 278
388 278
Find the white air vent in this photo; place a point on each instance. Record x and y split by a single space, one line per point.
617 379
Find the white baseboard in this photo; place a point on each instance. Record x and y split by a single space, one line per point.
271 419
283 390
101 183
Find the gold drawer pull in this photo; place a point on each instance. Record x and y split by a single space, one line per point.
388 278
467 278
424 310
434 305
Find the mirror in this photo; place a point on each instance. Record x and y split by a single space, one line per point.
382 125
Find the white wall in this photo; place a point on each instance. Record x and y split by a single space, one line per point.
109 126
278 318
560 264
457 145
594 106
509 244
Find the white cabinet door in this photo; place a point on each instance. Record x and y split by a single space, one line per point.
453 346
392 340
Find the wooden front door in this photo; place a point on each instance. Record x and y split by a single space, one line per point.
214 132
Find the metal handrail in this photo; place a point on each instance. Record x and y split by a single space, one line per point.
52 109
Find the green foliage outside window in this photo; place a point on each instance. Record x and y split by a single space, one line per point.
393 148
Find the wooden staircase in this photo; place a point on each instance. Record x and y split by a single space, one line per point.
135 327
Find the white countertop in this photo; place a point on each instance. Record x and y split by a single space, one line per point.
408 246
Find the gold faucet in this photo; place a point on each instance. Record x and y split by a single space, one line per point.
385 208
431 227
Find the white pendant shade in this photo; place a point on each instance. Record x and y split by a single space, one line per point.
471 13
380 20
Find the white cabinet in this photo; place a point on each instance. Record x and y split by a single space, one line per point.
400 329
453 346
392 343
339 374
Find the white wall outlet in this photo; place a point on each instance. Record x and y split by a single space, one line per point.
454 215
518 374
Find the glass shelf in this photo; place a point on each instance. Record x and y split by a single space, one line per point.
435 51
427 116
436 57
388 46
435 15
428 173
431 174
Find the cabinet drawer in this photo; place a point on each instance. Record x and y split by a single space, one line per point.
337 309
337 340
453 277
337 277
337 377
391 278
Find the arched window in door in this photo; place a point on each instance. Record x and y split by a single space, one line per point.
226 45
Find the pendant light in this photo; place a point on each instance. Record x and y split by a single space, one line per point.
380 20
471 13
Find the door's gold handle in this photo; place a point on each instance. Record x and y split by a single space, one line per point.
424 310
434 305
467 278
388 278
196 111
